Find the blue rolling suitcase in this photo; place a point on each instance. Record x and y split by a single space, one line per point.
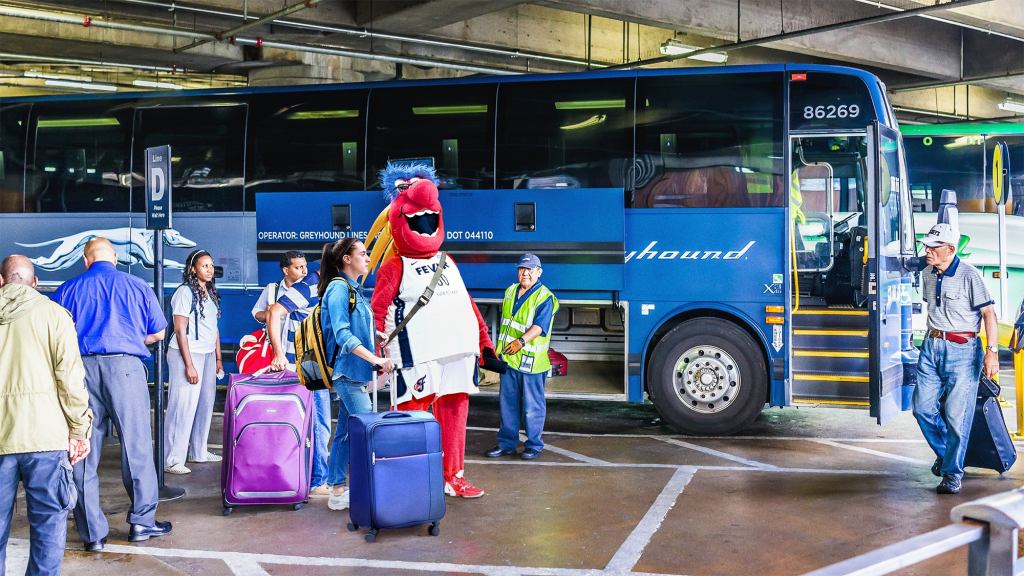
989 445
396 476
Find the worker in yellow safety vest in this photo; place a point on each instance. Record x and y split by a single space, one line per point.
524 336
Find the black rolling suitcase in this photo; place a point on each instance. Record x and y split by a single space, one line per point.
989 445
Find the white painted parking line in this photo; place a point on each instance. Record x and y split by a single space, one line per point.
576 455
774 470
715 453
17 556
247 559
245 567
878 453
629 553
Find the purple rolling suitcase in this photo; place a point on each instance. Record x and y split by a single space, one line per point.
268 426
396 476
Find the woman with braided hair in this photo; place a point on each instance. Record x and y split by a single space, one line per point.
194 364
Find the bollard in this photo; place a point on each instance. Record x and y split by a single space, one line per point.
1018 377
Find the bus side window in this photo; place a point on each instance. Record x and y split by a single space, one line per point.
451 126
711 141
207 140
566 134
329 155
13 128
80 149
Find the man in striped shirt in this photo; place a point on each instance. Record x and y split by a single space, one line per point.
295 300
951 358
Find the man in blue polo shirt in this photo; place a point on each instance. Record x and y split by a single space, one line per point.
116 317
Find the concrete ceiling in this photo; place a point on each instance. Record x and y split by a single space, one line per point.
957 62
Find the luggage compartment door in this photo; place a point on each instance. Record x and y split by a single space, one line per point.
576 232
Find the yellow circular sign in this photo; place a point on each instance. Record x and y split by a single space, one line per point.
997 173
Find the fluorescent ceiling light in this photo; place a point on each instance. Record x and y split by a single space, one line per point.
456 109
76 122
676 48
153 84
590 104
965 141
323 114
83 85
592 121
1011 106
34 74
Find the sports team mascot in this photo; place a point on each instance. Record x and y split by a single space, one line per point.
436 353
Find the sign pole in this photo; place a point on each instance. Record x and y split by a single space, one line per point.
158 218
1001 191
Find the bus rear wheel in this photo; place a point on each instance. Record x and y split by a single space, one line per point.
708 377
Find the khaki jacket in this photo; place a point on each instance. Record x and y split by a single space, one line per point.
43 399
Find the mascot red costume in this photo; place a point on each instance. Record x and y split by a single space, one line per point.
435 354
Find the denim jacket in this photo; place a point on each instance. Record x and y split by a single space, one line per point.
344 330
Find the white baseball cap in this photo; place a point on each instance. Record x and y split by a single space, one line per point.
941 234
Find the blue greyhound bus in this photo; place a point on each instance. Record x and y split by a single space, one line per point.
720 238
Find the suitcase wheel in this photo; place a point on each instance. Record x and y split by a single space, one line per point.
434 529
227 511
298 506
352 527
371 536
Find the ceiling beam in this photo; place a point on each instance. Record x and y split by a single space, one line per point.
420 16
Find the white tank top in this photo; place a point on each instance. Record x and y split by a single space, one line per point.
444 328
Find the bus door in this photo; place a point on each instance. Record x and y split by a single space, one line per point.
885 270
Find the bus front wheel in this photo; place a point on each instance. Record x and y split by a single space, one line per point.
708 377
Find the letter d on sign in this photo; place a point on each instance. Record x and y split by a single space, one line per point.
156 184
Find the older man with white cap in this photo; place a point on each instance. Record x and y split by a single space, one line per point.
951 355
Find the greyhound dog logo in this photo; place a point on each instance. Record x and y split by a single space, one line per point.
133 245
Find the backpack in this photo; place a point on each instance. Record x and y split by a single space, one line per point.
314 367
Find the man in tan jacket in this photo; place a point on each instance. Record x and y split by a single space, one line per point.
46 421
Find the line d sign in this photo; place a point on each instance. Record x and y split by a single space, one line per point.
158 188
1000 170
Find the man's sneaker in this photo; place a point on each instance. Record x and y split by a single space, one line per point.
338 501
949 485
461 487
208 457
937 468
177 469
322 490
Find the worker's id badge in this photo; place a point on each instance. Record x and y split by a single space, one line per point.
526 365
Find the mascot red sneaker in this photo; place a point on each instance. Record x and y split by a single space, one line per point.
435 354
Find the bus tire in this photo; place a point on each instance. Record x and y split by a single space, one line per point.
708 376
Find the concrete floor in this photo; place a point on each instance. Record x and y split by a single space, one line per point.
614 493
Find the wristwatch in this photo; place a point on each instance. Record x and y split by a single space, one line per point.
521 341
994 349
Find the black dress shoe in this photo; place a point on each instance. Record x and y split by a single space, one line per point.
498 452
96 546
937 468
949 485
138 532
530 454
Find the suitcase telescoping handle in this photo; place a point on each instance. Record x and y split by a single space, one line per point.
391 386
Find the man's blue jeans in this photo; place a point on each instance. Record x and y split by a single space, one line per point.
522 394
353 401
945 397
321 436
50 494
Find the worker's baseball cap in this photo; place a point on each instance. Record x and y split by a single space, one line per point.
529 261
941 234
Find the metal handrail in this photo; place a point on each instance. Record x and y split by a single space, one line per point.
988 525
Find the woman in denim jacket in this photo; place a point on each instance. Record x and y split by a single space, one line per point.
348 329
